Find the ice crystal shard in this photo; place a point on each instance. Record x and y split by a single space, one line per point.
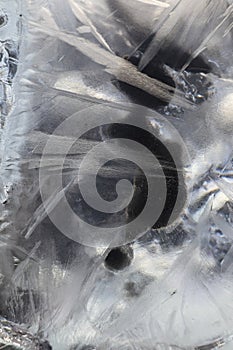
158 74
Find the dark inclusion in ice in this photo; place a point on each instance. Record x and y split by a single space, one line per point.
45 346
219 245
3 19
136 283
119 258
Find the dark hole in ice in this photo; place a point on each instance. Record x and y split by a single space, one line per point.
3 19
119 258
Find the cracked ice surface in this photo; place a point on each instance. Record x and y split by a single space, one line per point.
172 287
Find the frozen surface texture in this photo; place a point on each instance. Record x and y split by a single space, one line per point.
120 81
